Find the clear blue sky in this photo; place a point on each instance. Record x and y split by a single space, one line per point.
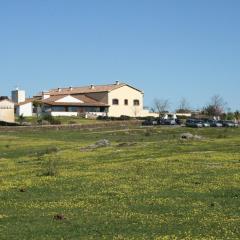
168 48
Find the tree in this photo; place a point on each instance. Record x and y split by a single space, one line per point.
161 106
183 106
237 115
21 119
38 107
216 106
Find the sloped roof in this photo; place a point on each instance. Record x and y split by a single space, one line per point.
86 89
6 100
25 102
86 101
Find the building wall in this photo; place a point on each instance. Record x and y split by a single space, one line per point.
25 110
121 94
18 96
64 114
7 111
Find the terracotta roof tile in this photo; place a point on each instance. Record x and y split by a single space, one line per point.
86 101
86 89
25 102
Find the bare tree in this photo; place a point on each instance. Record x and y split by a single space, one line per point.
183 106
161 106
216 106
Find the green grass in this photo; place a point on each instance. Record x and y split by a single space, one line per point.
159 188
65 120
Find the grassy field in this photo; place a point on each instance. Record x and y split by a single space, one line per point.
148 184
64 120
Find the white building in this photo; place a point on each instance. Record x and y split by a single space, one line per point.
113 100
23 106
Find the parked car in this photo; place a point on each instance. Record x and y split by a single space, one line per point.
194 123
178 121
214 123
205 123
149 122
228 123
167 121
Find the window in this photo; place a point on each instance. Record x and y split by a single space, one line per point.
126 102
73 109
59 109
136 102
115 101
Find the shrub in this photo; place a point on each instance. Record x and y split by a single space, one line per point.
50 168
3 123
72 122
46 151
121 118
50 119
124 118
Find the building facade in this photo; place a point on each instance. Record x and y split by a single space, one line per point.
111 100
6 110
23 106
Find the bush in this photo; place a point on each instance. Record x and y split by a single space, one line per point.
3 123
72 122
50 119
50 168
121 118
124 118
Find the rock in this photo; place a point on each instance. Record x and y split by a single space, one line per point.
187 136
58 217
99 144
197 137
26 124
102 143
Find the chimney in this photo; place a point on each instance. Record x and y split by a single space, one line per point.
92 86
117 82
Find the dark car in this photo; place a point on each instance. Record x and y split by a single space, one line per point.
178 121
168 121
149 122
215 123
194 123
205 123
228 123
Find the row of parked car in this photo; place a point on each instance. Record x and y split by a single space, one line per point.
151 121
198 123
210 123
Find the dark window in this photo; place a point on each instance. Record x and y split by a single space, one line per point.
136 102
125 102
73 109
115 101
59 109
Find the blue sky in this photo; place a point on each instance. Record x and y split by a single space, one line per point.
168 48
